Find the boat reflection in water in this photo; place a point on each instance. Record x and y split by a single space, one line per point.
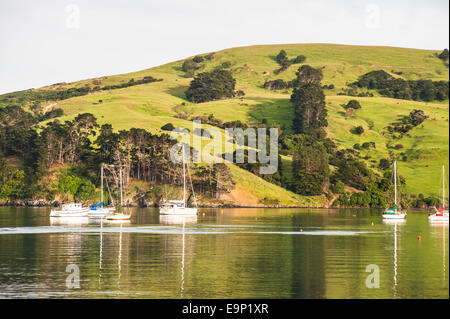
395 223
177 219
72 221
439 229
180 220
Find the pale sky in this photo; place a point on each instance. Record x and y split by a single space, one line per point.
45 42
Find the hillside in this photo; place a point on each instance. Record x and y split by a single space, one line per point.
152 105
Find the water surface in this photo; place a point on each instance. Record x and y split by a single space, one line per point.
229 253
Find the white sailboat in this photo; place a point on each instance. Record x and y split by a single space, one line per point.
119 215
99 210
179 207
440 215
394 212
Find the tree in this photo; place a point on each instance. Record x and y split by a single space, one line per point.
310 111
416 117
68 184
210 86
353 104
307 75
444 55
299 59
86 190
282 57
358 130
310 169
168 127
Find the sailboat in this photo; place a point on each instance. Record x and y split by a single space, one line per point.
440 215
394 212
179 207
121 215
99 210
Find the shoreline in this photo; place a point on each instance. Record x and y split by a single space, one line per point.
25 205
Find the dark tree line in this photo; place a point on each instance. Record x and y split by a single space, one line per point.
23 97
418 90
83 145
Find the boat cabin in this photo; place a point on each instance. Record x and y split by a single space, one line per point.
173 204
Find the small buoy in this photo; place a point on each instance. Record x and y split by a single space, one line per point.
419 237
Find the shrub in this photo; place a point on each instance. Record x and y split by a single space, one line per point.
299 59
358 130
240 93
198 59
226 64
278 84
168 127
398 146
210 56
444 55
353 104
366 145
189 66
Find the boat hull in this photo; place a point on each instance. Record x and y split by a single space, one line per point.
100 212
438 218
185 211
74 213
394 216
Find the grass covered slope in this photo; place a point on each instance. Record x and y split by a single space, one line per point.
152 105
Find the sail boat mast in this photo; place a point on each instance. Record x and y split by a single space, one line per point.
184 180
101 183
443 186
395 181
121 186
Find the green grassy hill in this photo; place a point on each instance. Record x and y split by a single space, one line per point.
152 105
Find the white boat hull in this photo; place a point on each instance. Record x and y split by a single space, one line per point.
186 211
75 213
100 212
435 218
394 216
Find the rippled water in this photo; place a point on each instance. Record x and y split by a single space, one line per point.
230 253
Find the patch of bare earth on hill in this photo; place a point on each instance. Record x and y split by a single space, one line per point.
241 197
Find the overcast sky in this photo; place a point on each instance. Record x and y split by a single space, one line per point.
45 42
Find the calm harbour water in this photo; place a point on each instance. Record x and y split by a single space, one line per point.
234 253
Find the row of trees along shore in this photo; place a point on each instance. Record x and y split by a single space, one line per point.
76 149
